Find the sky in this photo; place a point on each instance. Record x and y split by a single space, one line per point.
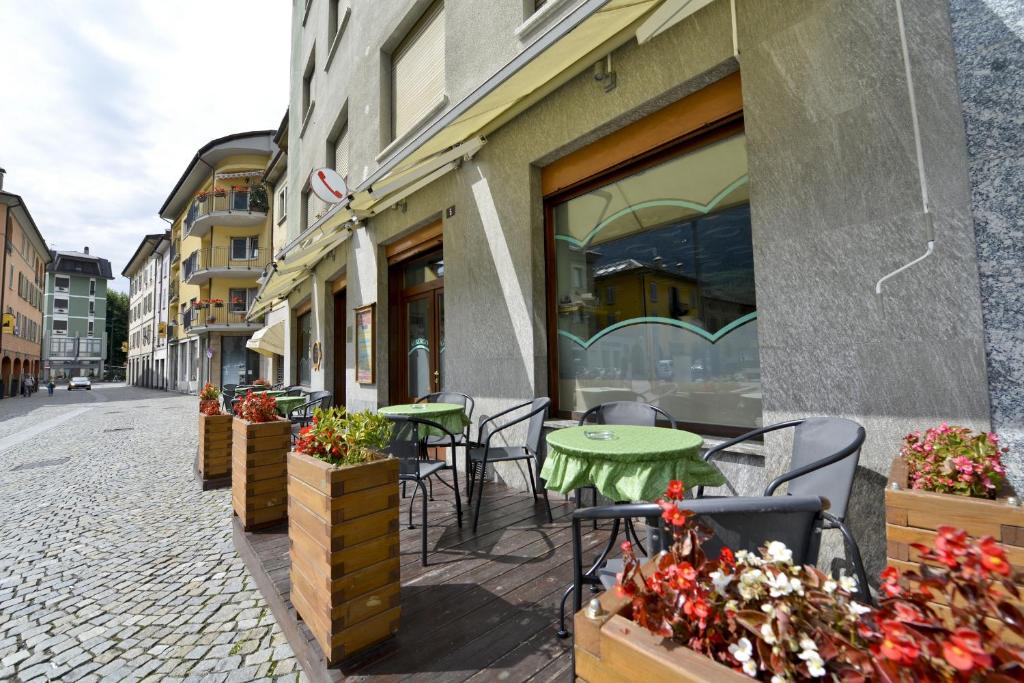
104 103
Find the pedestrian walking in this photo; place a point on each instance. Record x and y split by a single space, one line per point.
30 386
49 386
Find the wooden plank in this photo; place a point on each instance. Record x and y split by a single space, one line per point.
908 535
334 537
258 445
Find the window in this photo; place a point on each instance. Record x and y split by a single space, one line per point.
92 328
677 230
244 248
238 299
337 152
92 288
304 346
310 207
92 308
307 84
417 72
282 203
334 16
60 305
60 326
62 283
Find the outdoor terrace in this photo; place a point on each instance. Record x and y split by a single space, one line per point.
485 607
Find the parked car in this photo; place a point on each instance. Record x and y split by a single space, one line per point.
80 383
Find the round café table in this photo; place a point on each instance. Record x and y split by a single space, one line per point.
625 462
451 416
286 404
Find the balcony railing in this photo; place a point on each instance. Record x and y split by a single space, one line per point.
76 347
174 252
225 316
172 290
224 261
237 202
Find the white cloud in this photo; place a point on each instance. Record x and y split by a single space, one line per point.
105 102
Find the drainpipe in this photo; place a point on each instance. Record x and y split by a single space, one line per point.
928 222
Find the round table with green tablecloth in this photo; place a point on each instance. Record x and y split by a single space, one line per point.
286 404
451 416
625 462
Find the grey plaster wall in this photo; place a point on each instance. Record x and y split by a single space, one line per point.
988 36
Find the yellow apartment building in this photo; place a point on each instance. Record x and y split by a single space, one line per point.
220 218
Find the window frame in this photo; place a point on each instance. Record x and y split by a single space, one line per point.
722 130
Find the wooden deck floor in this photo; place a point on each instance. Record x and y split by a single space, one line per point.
484 608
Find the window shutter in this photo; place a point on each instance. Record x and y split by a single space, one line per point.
341 154
312 206
417 71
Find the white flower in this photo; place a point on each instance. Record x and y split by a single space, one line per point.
750 668
721 581
767 634
815 665
747 558
750 583
807 644
779 585
779 679
848 584
778 552
857 609
767 608
742 650
829 586
732 606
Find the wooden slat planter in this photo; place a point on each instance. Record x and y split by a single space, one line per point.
912 516
612 649
259 482
343 531
214 458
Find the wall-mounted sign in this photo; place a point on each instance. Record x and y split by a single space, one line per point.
124 346
317 355
366 343
8 323
209 352
328 185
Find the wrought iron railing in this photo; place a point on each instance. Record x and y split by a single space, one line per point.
239 200
226 315
225 258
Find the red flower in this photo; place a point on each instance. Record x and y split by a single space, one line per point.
898 643
675 490
963 650
993 557
727 559
890 582
673 515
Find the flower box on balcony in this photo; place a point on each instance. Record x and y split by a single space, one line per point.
610 647
259 452
912 516
343 528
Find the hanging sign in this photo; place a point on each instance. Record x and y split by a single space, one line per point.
8 323
328 185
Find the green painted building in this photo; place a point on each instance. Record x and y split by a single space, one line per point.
75 315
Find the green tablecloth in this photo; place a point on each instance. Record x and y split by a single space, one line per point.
636 464
451 416
269 392
286 404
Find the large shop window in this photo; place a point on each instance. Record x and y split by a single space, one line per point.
654 297
304 347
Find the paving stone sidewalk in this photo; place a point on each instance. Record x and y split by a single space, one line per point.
113 565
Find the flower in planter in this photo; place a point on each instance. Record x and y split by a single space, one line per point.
261 383
209 400
954 460
219 303
775 621
257 408
342 438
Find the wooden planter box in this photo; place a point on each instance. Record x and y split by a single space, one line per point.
259 481
343 532
214 457
612 649
913 516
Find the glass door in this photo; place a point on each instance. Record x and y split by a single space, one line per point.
420 349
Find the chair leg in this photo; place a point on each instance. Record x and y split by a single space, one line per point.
403 489
547 505
423 533
470 481
562 632
455 488
479 494
533 484
412 501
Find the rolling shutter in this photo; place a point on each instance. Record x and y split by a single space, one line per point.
417 71
341 153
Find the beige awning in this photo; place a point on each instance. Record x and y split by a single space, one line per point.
268 340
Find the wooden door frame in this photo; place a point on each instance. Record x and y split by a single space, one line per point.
398 296
340 359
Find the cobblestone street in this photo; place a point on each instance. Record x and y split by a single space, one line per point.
114 566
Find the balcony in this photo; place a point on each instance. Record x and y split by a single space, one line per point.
76 347
238 207
213 319
174 252
204 264
172 291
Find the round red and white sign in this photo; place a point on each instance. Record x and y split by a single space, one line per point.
328 185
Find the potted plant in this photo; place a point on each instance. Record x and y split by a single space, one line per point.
217 303
220 192
685 617
261 382
343 527
950 476
258 200
213 459
259 448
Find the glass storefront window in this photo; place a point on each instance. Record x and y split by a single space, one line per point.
655 291
304 347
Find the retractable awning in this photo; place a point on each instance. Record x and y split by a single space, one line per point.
574 44
269 340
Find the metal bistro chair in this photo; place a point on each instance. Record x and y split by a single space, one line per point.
301 416
295 390
227 395
409 445
483 453
738 523
621 413
823 462
464 400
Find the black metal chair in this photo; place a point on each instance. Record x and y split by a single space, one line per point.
464 400
301 416
739 523
409 445
823 462
294 391
227 395
482 453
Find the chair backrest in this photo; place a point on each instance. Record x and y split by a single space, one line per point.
408 442
826 438
228 388
464 400
325 398
293 391
742 523
627 413
535 430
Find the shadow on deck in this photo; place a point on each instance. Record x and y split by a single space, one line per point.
484 608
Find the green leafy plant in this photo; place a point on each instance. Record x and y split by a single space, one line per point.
257 408
342 438
258 198
955 460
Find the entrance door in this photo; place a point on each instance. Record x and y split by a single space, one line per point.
340 341
238 365
419 352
